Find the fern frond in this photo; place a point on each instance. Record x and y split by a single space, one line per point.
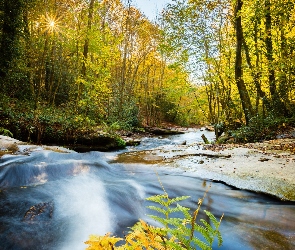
163 221
145 236
158 209
174 246
160 199
157 198
174 221
213 219
201 244
207 226
177 233
215 232
177 199
205 232
219 238
102 242
179 208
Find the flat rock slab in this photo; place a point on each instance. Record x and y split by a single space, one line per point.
10 145
250 169
254 167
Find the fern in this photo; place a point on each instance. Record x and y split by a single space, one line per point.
177 233
183 229
102 242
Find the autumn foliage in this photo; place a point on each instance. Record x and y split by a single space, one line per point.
175 233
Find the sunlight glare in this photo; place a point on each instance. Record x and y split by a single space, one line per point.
51 23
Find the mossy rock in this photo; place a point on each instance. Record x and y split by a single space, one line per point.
98 142
163 131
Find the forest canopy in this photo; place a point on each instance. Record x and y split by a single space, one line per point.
85 63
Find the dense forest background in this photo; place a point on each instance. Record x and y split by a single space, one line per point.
75 65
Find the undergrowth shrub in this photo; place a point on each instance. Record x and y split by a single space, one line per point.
5 132
177 233
261 128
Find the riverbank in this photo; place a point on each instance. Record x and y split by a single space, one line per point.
267 167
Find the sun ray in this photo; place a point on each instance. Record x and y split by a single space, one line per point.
51 24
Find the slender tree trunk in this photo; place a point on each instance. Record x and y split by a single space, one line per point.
245 99
254 72
126 41
283 79
86 43
10 32
269 50
278 105
86 46
27 37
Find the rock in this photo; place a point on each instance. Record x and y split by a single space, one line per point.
263 159
41 211
132 142
163 131
97 142
209 128
183 143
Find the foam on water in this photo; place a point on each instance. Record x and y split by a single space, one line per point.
82 204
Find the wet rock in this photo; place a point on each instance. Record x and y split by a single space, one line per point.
163 131
209 128
263 159
97 142
183 143
41 211
132 142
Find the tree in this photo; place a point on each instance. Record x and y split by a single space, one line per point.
243 92
10 48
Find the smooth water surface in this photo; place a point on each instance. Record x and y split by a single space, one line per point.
52 200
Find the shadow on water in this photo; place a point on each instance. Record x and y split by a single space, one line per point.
52 200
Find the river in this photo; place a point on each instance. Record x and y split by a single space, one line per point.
52 200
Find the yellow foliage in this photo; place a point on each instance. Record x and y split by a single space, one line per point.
142 236
102 242
145 237
176 233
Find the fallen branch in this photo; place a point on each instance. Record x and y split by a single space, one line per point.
206 141
205 155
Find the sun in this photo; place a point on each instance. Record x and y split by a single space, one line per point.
51 24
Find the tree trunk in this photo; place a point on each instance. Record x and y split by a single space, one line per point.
269 50
278 106
86 43
126 44
254 72
86 47
245 99
10 24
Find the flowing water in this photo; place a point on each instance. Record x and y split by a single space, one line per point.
51 200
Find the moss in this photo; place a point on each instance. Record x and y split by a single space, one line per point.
120 142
